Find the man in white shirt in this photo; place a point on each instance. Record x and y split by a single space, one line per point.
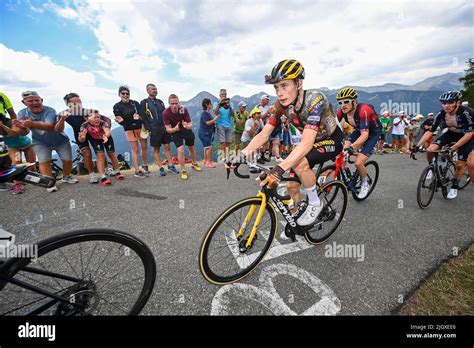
398 131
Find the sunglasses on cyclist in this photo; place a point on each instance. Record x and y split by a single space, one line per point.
450 102
124 93
344 102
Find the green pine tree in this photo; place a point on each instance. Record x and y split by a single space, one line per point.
468 80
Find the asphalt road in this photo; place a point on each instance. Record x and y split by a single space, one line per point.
401 243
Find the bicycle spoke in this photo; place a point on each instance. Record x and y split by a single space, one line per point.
117 274
110 250
133 281
116 258
90 258
80 257
72 268
112 304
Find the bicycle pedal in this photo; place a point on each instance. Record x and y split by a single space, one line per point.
289 233
301 230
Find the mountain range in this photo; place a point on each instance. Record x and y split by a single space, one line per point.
421 97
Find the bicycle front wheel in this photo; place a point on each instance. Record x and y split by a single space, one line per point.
334 197
225 256
426 187
89 272
447 179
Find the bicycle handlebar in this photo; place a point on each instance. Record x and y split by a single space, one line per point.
349 158
445 149
235 167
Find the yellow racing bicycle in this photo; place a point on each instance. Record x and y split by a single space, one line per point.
241 236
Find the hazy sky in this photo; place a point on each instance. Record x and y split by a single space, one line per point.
91 47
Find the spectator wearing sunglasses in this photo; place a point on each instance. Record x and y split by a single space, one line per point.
151 112
127 115
457 125
367 131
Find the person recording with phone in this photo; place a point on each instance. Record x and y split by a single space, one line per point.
225 109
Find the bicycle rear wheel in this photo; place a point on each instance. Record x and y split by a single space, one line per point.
334 197
373 176
426 187
223 257
93 271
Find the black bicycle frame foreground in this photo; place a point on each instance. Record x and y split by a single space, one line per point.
82 272
244 232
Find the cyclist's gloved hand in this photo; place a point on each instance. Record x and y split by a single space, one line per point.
349 150
272 179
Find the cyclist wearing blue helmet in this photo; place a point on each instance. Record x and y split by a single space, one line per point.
457 126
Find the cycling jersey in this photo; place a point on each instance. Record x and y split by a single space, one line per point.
461 123
316 113
95 132
365 118
452 137
427 123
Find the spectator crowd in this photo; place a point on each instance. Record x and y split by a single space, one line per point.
37 131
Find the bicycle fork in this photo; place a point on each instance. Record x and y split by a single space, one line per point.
256 224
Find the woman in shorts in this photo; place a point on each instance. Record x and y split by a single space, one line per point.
206 131
127 115
99 133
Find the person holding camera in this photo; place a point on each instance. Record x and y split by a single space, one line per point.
225 109
398 132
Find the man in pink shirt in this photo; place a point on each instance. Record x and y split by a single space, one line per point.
179 125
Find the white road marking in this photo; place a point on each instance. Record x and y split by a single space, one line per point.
267 295
277 249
